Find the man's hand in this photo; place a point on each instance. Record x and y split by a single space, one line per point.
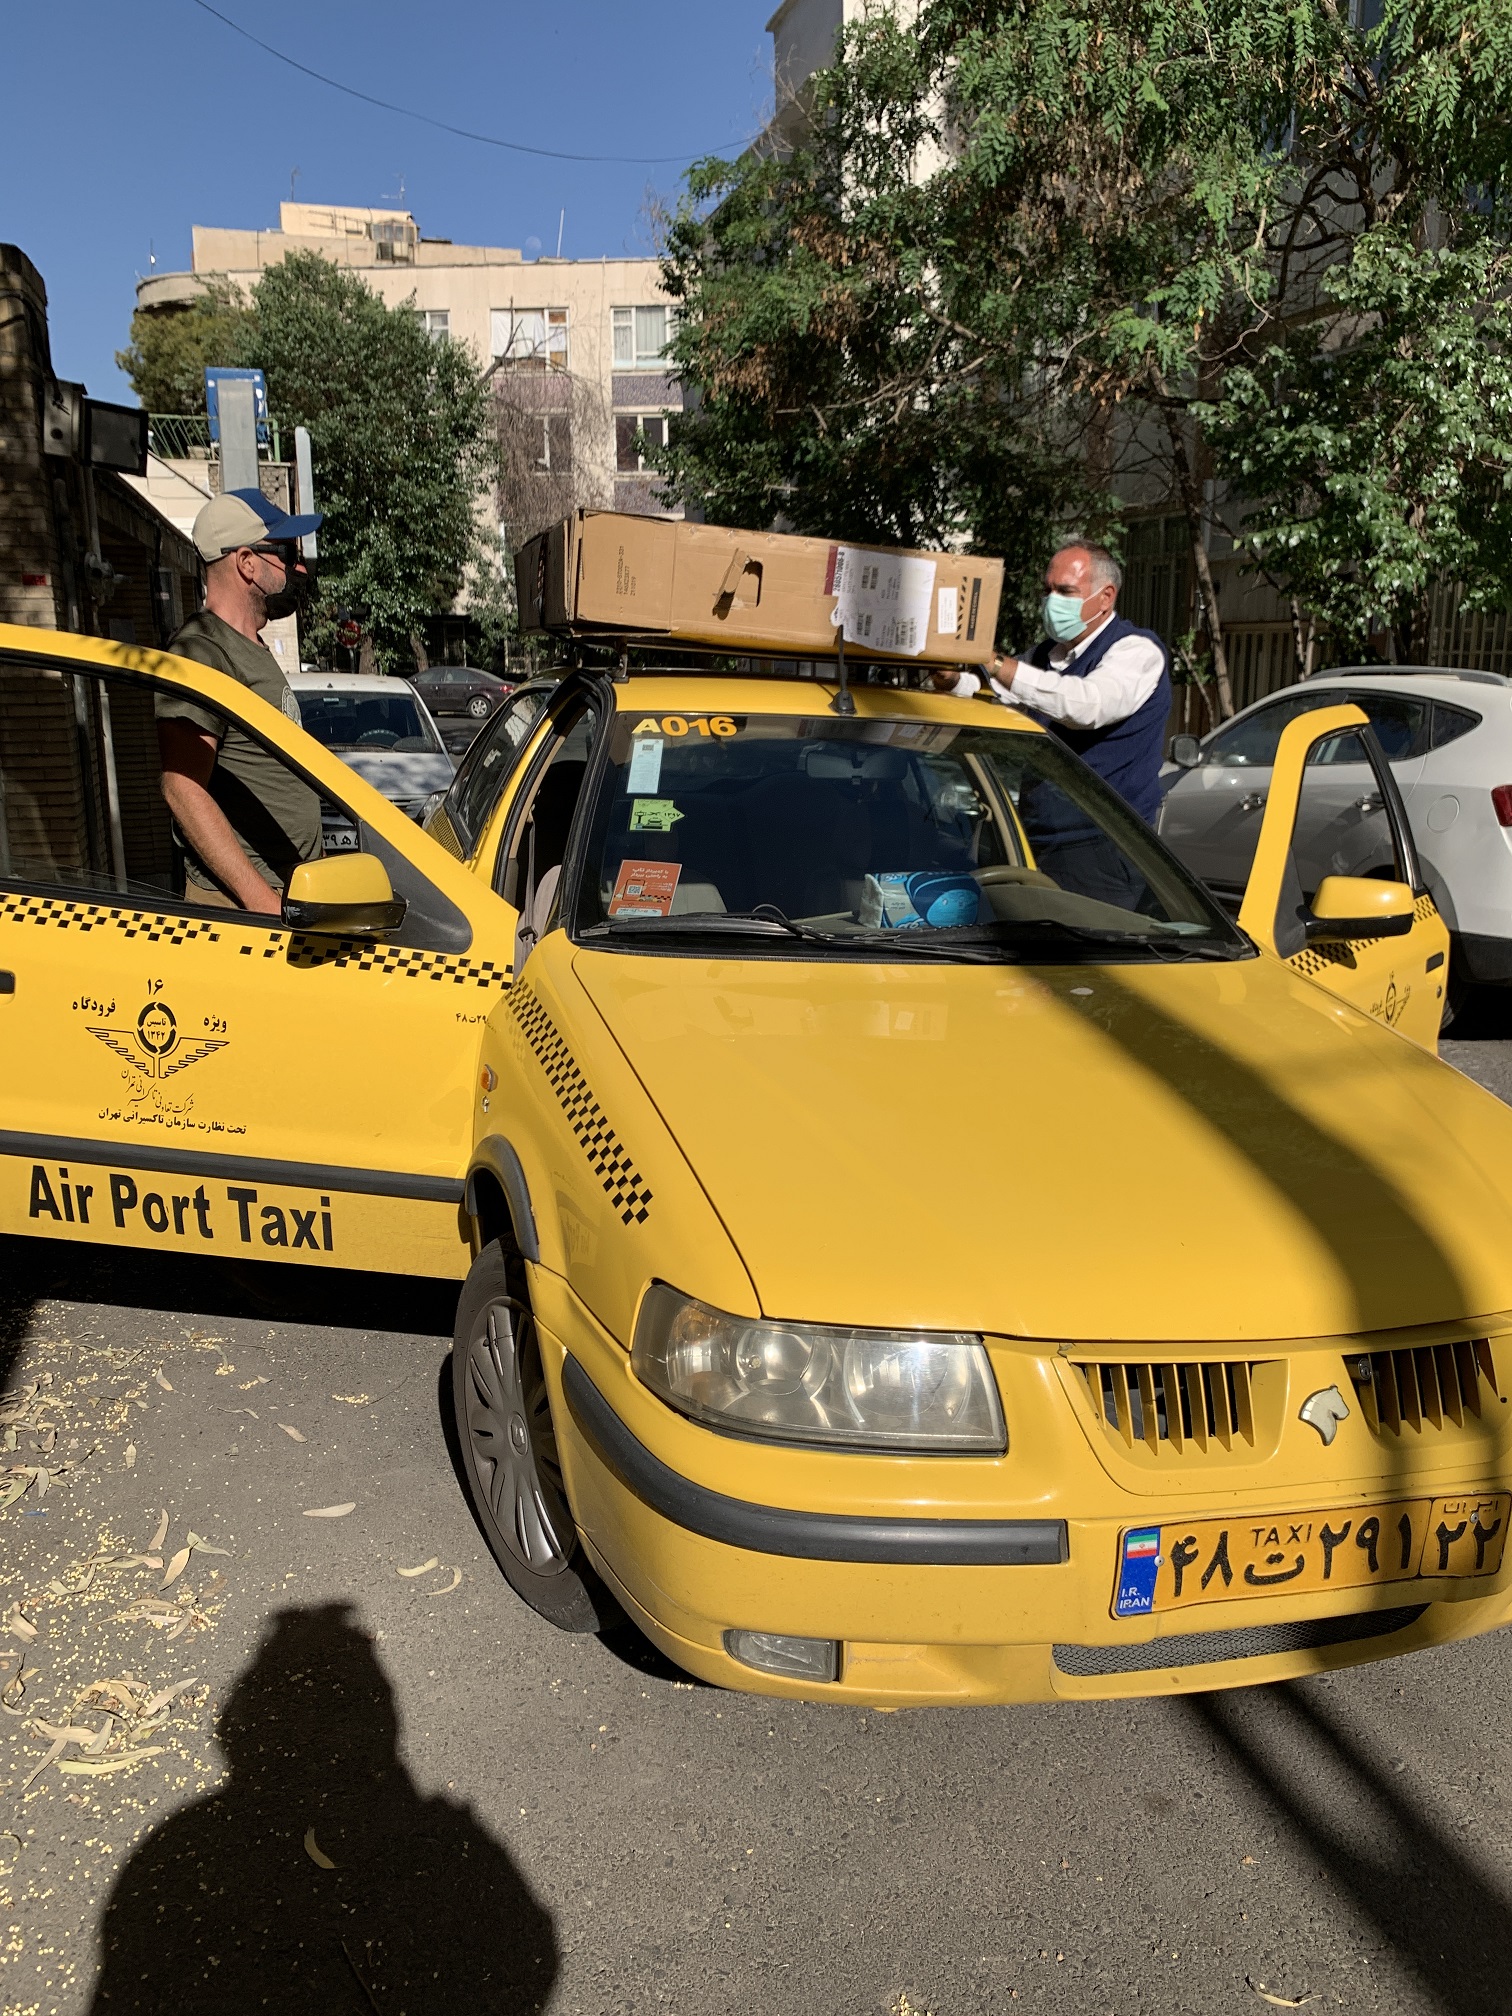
188 754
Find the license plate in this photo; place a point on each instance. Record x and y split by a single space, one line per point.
341 840
1176 1566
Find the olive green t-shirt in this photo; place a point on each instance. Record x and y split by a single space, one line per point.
272 811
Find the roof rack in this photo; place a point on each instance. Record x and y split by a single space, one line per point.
1476 678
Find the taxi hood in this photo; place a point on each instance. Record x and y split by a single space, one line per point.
1192 1153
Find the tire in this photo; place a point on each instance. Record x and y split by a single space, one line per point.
1457 996
478 707
509 1448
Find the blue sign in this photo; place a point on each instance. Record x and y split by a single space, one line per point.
1139 1564
214 374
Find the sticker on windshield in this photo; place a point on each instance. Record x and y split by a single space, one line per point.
645 766
720 726
644 888
654 815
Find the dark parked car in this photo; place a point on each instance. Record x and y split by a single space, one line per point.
461 689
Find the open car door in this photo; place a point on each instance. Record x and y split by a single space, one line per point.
1375 940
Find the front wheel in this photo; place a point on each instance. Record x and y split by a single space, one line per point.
509 1447
478 707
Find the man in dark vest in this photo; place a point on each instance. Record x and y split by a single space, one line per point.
1103 686
1100 682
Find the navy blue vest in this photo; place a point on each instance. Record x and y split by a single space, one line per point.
1126 754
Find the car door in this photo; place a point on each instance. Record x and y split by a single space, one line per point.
1211 815
190 1077
1396 973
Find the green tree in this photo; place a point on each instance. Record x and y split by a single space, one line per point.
170 347
1039 256
403 447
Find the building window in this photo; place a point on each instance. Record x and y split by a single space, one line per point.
436 322
628 430
641 335
556 444
531 336
394 240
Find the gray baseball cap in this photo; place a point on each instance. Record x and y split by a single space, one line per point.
246 518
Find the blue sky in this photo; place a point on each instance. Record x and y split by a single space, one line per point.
126 125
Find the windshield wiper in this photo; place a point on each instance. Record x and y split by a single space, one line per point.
767 921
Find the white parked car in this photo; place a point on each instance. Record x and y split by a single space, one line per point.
383 729
1447 737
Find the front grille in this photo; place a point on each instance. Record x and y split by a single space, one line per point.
1429 1386
1208 1648
1176 1406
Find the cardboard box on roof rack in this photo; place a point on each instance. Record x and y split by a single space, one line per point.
608 574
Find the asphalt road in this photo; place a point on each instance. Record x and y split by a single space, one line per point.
521 1820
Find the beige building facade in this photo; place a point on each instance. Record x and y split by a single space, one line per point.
575 345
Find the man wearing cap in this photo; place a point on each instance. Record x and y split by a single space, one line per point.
245 819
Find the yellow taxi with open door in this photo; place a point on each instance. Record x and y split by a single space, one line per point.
914 1247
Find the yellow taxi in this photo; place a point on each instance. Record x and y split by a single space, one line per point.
914 1246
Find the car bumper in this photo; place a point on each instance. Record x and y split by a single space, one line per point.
927 1611
1485 961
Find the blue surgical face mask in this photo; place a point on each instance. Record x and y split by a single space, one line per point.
1063 617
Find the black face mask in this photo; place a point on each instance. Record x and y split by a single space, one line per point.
290 600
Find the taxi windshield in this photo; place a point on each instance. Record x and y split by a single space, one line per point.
346 720
898 838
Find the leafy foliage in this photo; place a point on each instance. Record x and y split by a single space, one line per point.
401 438
1029 243
170 348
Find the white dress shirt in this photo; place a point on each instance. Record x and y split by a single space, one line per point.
1112 691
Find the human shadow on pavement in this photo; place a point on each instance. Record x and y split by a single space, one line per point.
225 1907
1349 1808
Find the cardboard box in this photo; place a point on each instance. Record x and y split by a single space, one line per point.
609 574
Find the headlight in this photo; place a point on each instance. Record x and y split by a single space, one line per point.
807 1382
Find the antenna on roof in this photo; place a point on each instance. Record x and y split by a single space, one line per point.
293 178
561 227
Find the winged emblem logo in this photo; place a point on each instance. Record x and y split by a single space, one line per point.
155 1047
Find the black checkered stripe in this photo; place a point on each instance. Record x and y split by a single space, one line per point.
626 1186
361 955
86 917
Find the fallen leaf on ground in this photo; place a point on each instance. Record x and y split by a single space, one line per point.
215 1585
81 1768
1282 2001
198 1544
455 1583
165 1695
293 1433
14 1689
19 1626
162 1380
330 1511
176 1567
71 1732
161 1534
16 1488
353 1399
59 1746
316 1853
424 1568
130 1454
248 1384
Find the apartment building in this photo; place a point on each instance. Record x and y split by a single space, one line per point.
575 345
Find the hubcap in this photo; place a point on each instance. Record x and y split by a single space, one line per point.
511 1441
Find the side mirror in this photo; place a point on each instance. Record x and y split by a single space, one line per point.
1359 906
1186 752
344 896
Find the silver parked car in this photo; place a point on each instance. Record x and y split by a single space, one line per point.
382 728
1447 736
